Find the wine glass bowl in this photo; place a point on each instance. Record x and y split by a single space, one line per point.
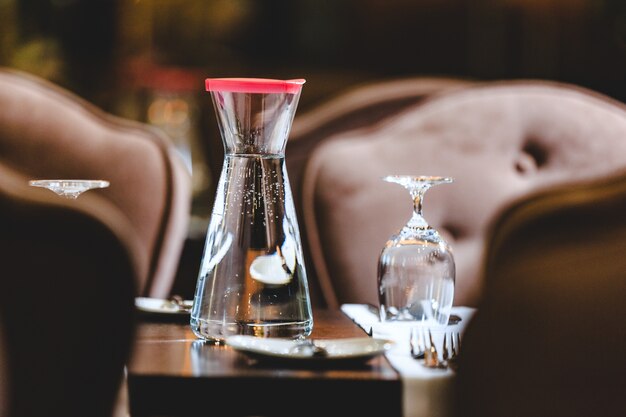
416 268
69 188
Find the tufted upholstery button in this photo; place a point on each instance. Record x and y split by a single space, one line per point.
525 164
531 158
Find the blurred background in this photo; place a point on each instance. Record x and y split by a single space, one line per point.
147 59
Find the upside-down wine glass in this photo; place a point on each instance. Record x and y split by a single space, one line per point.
416 269
69 188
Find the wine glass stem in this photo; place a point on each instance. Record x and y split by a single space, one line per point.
417 220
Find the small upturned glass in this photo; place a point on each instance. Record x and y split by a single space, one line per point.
416 269
71 189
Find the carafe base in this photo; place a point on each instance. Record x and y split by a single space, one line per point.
214 331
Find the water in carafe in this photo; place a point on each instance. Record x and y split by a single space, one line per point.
252 276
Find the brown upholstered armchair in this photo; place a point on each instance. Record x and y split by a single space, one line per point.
500 141
356 108
48 132
549 338
68 276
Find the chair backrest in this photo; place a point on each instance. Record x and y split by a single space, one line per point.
48 132
549 337
69 271
356 108
498 140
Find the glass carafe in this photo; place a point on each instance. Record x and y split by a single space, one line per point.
252 277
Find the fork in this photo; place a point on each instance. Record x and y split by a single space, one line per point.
431 357
450 355
423 348
417 343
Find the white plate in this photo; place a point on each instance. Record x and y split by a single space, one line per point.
357 348
162 306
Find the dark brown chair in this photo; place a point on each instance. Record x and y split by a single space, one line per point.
48 132
69 272
4 373
500 141
549 337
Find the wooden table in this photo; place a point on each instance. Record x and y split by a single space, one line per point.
172 373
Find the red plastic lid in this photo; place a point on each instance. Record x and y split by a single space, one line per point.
254 85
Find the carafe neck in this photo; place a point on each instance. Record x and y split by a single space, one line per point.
254 123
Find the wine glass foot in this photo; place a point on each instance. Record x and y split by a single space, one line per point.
69 188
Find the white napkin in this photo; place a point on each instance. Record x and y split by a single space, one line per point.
426 392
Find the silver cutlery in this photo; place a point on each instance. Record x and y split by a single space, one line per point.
431 357
308 348
423 348
451 353
417 343
177 302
